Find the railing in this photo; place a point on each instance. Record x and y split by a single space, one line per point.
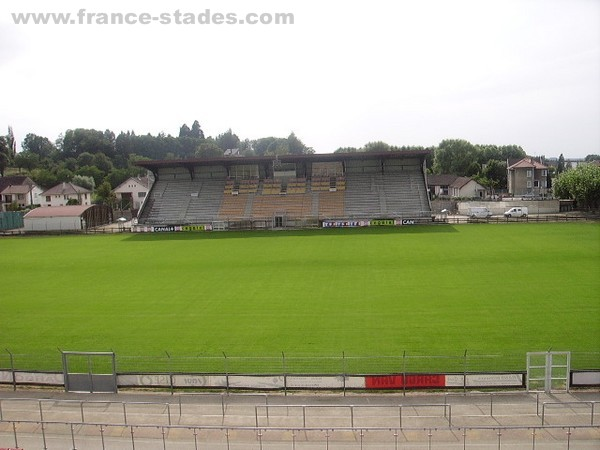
591 404
544 218
75 435
351 409
82 404
266 411
167 362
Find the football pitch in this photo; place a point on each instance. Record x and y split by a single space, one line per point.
485 289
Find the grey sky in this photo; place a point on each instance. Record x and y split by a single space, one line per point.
345 73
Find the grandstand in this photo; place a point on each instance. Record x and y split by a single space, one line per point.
287 191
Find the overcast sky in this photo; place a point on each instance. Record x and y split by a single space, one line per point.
345 73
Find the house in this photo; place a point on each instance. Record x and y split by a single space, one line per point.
19 190
454 186
527 177
132 192
67 218
60 194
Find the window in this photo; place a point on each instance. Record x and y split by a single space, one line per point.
48 198
529 174
141 194
529 184
536 184
544 173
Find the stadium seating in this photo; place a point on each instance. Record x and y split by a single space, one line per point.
399 193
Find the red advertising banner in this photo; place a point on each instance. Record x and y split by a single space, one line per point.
405 381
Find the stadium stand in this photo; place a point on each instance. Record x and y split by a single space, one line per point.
334 186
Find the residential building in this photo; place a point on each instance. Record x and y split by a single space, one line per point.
527 177
19 190
60 195
454 186
132 192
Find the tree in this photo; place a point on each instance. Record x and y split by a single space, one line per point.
44 177
11 142
560 168
105 195
196 132
26 160
80 140
581 184
117 176
295 145
5 155
39 145
184 131
63 174
590 158
454 156
377 146
92 171
495 172
261 145
246 148
227 140
278 146
208 150
85 159
102 162
84 181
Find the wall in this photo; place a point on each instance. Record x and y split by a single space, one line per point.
498 208
53 224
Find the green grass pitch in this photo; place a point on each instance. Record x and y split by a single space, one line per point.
501 289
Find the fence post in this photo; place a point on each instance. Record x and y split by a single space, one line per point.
344 371
465 373
403 375
284 374
12 369
226 374
170 371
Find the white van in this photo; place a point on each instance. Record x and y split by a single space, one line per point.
479 212
517 211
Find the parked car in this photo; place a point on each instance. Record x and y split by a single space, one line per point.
479 212
517 211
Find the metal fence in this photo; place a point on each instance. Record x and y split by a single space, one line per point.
537 218
60 435
290 364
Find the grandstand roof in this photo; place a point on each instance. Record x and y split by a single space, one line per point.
317 157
